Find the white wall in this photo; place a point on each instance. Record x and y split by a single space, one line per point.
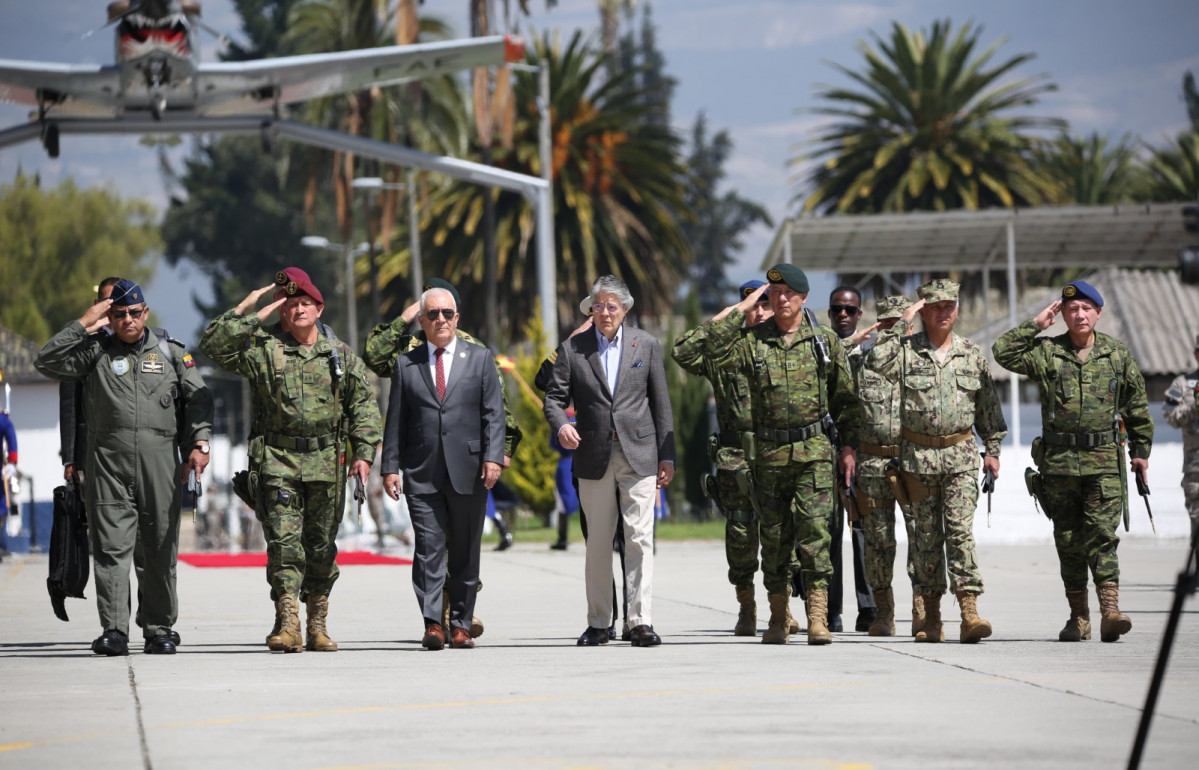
34 413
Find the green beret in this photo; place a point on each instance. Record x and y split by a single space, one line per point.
441 283
891 307
939 290
790 275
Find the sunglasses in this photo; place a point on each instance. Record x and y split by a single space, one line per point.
447 313
846 309
137 313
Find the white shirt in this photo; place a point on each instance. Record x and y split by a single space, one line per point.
609 353
447 360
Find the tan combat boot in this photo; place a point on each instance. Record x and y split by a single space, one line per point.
818 632
932 630
884 621
792 623
1113 623
778 631
1078 627
476 625
917 613
275 628
973 628
747 616
289 638
318 637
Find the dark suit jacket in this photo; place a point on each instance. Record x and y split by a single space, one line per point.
640 412
430 440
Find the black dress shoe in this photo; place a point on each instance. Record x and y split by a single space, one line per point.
866 616
111 643
645 636
593 637
834 624
159 645
173 635
558 546
626 635
505 542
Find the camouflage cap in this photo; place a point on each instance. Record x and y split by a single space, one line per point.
939 290
891 307
789 275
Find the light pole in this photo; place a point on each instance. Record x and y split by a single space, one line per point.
414 257
320 242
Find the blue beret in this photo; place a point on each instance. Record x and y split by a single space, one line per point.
749 287
790 275
1082 290
126 292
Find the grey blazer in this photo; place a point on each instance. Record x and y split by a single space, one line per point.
431 440
640 411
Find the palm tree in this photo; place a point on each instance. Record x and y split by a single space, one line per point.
1174 169
930 125
1090 172
616 184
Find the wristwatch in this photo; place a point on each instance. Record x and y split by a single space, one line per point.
203 448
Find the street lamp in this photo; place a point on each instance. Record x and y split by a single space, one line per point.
414 257
320 242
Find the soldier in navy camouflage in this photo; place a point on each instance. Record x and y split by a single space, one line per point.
878 445
733 419
1181 412
311 403
1085 379
800 387
947 394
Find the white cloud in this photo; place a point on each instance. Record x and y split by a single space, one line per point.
768 24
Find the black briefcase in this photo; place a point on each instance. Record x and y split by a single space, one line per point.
69 557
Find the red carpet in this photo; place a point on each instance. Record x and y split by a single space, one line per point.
344 559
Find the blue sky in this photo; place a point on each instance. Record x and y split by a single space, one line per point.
751 65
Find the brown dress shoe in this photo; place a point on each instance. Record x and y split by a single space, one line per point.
461 639
434 637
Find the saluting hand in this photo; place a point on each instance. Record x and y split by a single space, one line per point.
860 336
251 300
265 313
912 309
96 316
409 314
582 327
748 303
1044 319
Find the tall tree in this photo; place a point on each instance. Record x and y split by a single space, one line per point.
931 124
718 222
1190 95
264 25
58 243
616 186
1174 169
1090 171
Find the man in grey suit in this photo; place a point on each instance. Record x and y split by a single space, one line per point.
624 450
445 432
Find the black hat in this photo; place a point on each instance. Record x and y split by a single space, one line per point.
790 275
441 283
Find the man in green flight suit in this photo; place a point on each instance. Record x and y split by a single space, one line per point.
147 406
801 392
311 404
1087 380
947 394
730 389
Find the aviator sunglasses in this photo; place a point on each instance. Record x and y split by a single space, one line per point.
446 312
135 313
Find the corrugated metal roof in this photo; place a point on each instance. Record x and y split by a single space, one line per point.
16 358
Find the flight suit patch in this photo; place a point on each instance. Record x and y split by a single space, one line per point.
152 364
119 365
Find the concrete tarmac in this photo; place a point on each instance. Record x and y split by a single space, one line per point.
528 697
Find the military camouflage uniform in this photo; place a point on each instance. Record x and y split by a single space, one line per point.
733 418
387 341
794 469
878 444
294 445
1079 404
942 403
1181 412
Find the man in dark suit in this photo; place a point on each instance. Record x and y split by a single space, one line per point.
624 450
445 432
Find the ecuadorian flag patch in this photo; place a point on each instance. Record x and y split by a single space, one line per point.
188 361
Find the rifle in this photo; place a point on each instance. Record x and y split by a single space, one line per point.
1143 489
359 497
197 489
988 486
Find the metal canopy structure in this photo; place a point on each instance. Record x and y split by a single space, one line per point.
536 191
1142 235
1147 235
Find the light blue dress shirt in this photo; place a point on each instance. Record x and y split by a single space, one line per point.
609 353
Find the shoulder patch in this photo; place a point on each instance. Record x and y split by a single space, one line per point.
188 361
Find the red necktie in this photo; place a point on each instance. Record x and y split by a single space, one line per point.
440 374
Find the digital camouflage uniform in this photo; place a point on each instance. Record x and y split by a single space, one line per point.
131 469
878 444
733 418
794 469
941 402
1079 403
294 446
1181 412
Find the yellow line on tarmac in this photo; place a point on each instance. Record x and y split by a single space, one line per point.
420 706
